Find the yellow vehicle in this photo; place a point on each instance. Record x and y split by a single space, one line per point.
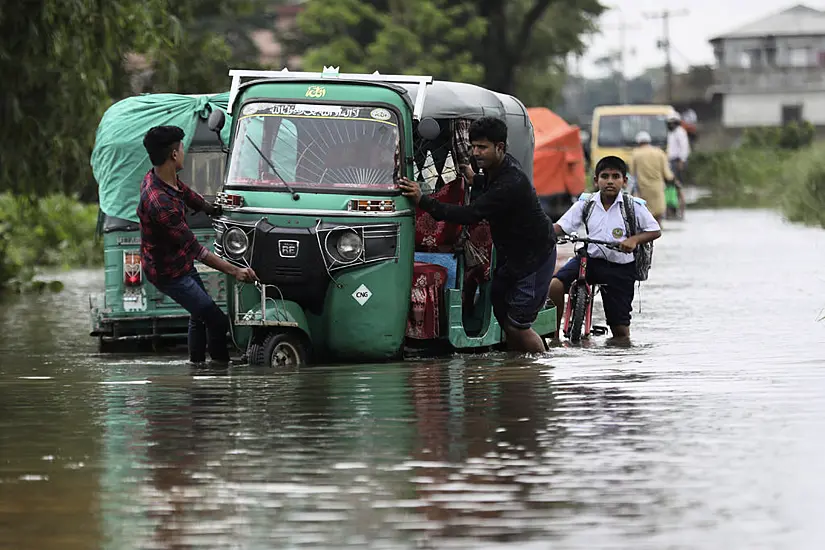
615 127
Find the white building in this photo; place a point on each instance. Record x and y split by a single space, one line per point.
772 71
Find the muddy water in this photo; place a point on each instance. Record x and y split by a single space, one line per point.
707 433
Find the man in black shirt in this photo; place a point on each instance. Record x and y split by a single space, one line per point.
522 232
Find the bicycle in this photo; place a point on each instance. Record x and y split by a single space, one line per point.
578 312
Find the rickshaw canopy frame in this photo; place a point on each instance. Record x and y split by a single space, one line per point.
332 74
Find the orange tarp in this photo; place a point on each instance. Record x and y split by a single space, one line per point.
558 160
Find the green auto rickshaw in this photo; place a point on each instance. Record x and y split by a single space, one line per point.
350 270
130 309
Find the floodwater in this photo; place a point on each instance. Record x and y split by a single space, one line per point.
708 433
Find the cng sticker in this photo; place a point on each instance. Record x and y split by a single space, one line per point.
362 294
380 114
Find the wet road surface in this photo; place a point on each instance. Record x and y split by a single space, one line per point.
707 433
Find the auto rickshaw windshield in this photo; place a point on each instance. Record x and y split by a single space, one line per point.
316 146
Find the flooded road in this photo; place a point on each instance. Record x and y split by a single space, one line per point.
707 433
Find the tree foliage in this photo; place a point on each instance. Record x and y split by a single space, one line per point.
512 46
209 37
59 61
63 62
391 36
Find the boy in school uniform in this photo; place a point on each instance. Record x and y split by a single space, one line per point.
603 215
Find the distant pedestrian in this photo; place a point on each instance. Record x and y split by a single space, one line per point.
678 151
650 169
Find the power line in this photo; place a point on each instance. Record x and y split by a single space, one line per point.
664 43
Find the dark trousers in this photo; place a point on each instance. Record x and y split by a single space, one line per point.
208 325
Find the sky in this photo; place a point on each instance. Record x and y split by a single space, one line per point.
689 34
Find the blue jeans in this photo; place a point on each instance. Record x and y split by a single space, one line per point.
205 317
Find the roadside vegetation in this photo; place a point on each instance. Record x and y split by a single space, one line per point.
780 168
49 233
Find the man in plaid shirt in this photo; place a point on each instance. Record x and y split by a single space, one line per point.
169 249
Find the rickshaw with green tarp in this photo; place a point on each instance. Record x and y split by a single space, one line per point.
350 269
130 308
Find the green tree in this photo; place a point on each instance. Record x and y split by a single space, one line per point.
512 46
57 63
63 64
526 42
390 36
210 36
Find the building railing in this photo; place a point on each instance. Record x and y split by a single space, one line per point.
769 79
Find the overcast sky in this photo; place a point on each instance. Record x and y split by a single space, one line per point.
689 34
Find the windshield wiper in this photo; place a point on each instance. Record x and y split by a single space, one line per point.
295 196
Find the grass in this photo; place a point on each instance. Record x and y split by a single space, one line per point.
791 181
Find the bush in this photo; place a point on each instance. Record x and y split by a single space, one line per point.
739 177
791 180
792 136
803 186
8 269
54 231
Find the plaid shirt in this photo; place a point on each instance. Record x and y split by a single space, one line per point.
168 248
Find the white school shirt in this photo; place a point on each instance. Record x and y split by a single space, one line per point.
607 225
678 144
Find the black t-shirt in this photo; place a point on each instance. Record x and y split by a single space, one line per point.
522 233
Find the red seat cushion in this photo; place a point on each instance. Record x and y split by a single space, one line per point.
439 236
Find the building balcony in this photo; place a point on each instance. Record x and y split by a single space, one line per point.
769 80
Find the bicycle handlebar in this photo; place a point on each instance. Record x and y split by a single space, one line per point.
585 240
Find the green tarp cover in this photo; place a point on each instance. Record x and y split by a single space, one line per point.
119 160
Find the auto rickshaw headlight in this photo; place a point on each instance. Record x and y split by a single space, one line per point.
349 246
235 242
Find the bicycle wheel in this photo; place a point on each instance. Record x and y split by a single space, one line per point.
579 310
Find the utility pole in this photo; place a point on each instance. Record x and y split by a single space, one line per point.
620 55
664 44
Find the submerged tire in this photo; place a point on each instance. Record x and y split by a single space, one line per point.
255 354
579 311
280 350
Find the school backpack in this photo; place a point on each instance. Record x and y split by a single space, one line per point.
643 254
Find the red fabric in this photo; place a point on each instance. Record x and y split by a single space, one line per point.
439 236
423 321
480 238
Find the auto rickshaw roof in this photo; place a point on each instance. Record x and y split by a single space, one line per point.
458 100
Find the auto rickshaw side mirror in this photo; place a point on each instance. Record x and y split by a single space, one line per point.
429 128
216 120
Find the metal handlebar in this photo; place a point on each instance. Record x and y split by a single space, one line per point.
584 240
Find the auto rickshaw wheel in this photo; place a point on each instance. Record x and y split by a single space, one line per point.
281 350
